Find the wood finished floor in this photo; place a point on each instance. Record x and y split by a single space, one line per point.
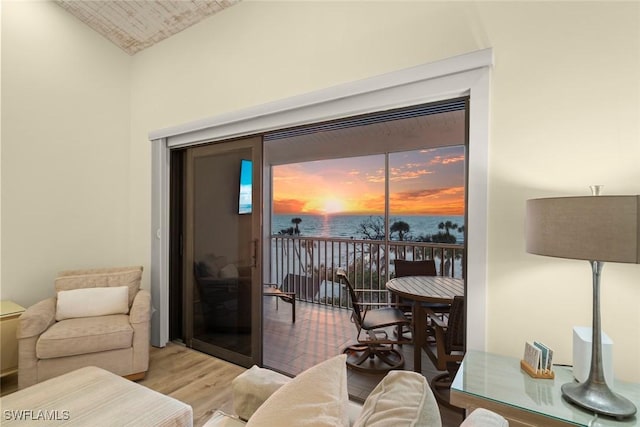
204 382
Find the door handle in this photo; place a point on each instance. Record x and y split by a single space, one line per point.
254 256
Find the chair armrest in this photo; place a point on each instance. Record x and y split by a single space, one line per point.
435 319
37 318
141 308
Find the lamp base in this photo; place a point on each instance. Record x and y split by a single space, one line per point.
598 398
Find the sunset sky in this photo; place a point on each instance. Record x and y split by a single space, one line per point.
426 182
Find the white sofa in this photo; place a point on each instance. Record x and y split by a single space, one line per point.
318 397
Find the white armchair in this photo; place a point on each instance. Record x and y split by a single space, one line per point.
99 323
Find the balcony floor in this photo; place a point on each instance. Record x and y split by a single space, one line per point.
319 333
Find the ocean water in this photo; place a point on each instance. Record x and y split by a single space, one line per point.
347 226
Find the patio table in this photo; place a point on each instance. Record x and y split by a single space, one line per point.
419 289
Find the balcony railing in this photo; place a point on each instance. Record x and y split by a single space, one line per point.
307 266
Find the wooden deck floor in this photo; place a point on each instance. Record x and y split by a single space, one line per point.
319 333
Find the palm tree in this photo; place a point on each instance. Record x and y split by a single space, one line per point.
401 228
446 226
296 221
447 237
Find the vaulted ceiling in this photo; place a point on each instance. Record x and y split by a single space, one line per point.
135 25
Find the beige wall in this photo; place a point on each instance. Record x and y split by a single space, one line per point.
565 114
565 110
65 149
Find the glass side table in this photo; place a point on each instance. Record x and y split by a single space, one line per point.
497 383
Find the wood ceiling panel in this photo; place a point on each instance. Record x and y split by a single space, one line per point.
136 25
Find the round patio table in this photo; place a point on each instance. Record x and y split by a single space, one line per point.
419 289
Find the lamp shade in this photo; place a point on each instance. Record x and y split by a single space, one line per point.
593 228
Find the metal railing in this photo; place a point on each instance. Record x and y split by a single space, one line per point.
307 266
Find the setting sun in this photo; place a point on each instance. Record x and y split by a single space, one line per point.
332 205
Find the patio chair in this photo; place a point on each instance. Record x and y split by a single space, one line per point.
404 268
305 287
375 351
448 350
272 290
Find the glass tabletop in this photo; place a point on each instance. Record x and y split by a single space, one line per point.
500 379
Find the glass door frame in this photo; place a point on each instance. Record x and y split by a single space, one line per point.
254 146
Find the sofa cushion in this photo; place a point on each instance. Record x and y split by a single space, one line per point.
90 302
101 277
253 387
402 398
317 397
85 335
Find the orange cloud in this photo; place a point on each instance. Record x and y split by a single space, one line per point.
447 160
286 206
397 175
443 201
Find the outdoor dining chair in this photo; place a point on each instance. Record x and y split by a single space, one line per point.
427 267
375 351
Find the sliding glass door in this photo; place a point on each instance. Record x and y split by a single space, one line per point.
221 261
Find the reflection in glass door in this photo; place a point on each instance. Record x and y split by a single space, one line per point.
221 261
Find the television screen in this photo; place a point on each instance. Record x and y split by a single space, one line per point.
246 174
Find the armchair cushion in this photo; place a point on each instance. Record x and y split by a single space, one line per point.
90 302
85 335
317 397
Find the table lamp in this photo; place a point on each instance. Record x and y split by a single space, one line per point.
596 229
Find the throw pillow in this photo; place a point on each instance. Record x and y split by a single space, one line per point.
317 397
402 398
100 278
90 302
253 387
